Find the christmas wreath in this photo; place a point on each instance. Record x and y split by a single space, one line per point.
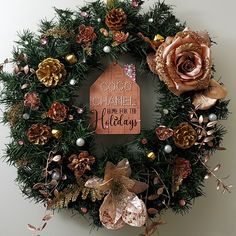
53 139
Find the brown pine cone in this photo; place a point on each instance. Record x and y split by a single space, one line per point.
39 134
116 19
80 163
51 72
184 136
32 100
58 112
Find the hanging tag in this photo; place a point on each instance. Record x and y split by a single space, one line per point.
115 103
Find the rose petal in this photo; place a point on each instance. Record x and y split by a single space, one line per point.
135 213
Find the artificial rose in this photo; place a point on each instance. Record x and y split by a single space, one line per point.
183 62
86 34
32 100
119 37
58 112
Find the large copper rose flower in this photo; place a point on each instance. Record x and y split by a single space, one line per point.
184 62
86 34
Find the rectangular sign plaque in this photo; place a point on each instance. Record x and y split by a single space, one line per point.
115 103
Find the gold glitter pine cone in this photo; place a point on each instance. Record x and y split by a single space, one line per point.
116 19
39 134
51 72
184 136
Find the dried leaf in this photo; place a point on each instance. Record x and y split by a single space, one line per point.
200 120
53 183
31 227
6 61
207 176
217 168
210 132
152 211
210 144
153 197
195 120
208 139
26 69
212 123
206 159
218 185
56 193
38 186
156 180
44 225
221 148
160 190
47 217
56 158
44 193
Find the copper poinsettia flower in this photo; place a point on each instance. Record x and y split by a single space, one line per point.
119 37
121 205
32 100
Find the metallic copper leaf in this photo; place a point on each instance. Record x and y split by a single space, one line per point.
212 123
152 211
160 190
47 217
153 197
31 227
38 186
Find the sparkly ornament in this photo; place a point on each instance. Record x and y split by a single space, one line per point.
21 142
58 112
80 142
84 14
212 117
51 72
163 132
70 117
151 156
182 202
167 149
84 210
116 19
150 20
99 20
26 43
184 136
25 116
44 41
107 49
71 58
81 163
56 133
158 37
56 175
39 134
72 82
80 110
165 111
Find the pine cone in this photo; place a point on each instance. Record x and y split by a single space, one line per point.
80 163
184 136
51 72
116 19
39 134
58 112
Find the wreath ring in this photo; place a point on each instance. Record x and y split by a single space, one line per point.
52 140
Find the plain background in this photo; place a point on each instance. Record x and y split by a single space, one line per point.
214 215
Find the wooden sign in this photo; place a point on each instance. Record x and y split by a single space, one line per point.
115 103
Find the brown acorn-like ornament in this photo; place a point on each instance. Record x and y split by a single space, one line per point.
39 134
184 136
116 19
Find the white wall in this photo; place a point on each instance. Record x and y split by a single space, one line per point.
211 216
